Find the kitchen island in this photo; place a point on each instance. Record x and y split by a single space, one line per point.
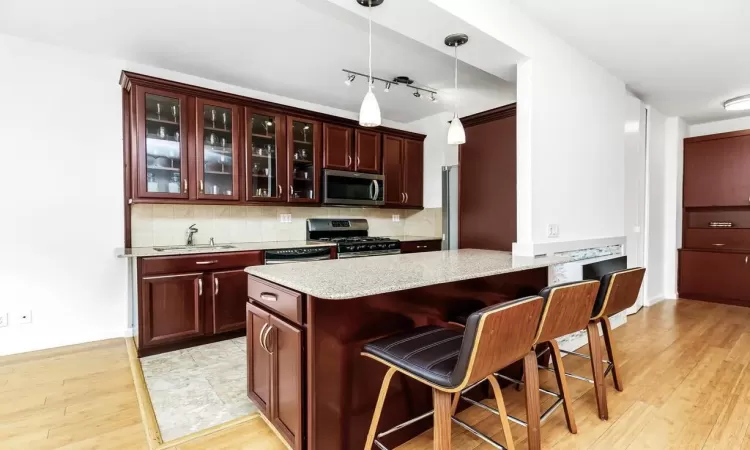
307 324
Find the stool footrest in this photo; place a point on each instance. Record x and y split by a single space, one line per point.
479 434
405 424
541 389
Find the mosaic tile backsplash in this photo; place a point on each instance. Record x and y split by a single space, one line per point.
166 224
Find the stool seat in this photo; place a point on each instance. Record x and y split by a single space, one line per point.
430 352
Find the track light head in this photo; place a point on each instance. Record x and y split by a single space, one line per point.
387 87
417 94
349 79
433 99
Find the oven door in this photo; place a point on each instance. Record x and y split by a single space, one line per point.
352 188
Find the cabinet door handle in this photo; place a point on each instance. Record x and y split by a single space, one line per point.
348 161
266 342
205 263
260 336
407 197
357 161
291 189
185 185
200 286
402 198
200 182
746 257
268 297
216 286
281 191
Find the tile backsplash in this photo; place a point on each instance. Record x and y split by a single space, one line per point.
166 224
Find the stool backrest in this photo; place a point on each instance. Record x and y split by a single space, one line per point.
618 291
567 308
496 337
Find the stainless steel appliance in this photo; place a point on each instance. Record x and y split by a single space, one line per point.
352 188
293 255
450 207
351 237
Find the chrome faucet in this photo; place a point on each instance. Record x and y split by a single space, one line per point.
211 242
190 232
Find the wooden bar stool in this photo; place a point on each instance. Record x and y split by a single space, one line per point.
567 309
448 361
618 291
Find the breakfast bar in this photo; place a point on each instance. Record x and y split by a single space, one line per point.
307 324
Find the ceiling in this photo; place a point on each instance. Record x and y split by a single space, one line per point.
293 48
683 57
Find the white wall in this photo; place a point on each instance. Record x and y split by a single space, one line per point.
61 125
657 204
675 133
721 126
570 130
436 151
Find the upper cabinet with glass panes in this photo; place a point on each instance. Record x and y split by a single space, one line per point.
217 150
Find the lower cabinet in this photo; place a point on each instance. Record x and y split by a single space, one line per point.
421 246
275 372
171 308
183 298
228 299
717 276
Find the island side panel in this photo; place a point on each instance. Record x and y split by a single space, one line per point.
342 385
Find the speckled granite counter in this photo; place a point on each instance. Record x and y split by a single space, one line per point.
359 277
142 252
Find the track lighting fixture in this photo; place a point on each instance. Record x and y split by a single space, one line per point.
419 92
349 79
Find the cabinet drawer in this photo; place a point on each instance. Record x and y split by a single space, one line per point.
421 246
276 298
717 239
207 262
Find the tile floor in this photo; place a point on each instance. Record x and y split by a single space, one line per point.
199 387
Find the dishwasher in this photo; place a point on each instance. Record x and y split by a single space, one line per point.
293 255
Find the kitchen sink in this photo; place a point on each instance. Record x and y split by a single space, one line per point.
193 248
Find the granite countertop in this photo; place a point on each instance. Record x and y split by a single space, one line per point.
358 277
141 252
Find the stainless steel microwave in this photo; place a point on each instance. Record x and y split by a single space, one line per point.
352 188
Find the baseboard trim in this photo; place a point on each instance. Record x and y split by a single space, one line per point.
148 417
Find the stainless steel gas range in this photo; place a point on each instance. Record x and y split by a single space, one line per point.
351 237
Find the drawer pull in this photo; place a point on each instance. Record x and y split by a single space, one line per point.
421 246
718 245
205 263
268 297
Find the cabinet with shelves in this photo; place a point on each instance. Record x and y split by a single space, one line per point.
266 156
217 150
303 167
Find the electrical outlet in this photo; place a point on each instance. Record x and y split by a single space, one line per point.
23 317
3 319
396 218
553 230
285 218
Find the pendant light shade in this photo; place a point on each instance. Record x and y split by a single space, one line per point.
456 134
369 112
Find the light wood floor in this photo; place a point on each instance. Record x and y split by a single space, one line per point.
685 367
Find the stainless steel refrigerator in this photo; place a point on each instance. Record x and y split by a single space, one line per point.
450 207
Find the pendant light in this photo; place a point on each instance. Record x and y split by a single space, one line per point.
456 134
369 113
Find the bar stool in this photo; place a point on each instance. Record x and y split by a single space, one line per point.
449 361
618 291
566 310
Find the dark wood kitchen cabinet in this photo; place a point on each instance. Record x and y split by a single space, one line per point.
228 292
715 276
217 157
266 168
285 345
171 308
258 359
304 156
275 372
337 147
191 299
367 154
403 168
716 171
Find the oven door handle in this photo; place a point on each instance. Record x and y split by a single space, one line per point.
285 261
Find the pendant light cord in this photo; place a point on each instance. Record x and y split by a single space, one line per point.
455 52
369 58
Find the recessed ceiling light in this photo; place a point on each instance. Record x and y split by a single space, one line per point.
738 103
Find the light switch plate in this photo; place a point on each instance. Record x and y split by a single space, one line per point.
553 230
3 319
396 218
23 317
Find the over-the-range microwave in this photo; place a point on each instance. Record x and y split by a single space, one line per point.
352 188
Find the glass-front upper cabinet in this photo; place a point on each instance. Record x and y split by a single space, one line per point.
303 144
266 156
162 158
217 147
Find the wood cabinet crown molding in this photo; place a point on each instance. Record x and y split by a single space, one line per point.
128 79
712 137
489 115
